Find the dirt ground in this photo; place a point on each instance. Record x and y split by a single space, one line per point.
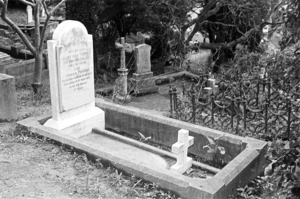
32 167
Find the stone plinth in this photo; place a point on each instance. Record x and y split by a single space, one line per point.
144 83
8 98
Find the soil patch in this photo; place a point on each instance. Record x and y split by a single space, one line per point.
34 167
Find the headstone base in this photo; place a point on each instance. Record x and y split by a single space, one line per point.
8 98
144 83
181 168
79 125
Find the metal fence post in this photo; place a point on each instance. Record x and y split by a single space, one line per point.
212 109
266 115
183 89
171 100
175 100
193 105
289 106
238 102
232 113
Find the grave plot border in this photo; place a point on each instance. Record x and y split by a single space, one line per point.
244 167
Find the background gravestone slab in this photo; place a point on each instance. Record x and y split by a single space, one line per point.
142 58
8 98
143 79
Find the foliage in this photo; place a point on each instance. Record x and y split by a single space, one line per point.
169 22
116 16
290 15
281 177
281 66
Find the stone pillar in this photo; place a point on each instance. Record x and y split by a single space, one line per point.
29 14
8 98
123 72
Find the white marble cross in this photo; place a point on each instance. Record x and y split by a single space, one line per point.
180 148
212 86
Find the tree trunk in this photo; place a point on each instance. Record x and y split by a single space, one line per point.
38 69
37 79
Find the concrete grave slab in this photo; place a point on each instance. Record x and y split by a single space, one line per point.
246 162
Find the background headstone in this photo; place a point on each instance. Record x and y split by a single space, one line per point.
143 79
29 14
71 69
8 98
142 58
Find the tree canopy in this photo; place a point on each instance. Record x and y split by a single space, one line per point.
225 22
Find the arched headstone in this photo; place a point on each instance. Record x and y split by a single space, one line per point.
71 69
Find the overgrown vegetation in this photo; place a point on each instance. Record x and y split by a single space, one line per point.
281 178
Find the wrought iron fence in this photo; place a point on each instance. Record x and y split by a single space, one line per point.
254 106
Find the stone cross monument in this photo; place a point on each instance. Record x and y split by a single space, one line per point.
123 72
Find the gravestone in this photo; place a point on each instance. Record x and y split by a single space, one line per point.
180 148
8 98
143 79
43 13
71 68
29 14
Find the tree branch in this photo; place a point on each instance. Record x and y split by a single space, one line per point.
27 3
204 14
48 14
213 46
15 27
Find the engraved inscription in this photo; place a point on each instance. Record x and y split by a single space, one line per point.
76 75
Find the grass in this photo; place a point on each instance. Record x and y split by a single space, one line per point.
85 177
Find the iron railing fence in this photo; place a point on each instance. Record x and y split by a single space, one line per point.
254 106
